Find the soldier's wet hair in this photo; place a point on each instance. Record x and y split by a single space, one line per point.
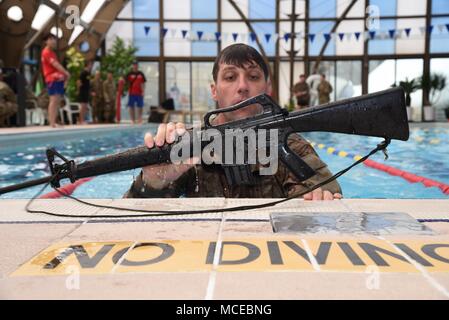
239 55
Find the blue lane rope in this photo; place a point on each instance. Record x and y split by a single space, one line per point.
433 220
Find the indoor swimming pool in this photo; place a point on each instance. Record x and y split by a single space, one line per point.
22 157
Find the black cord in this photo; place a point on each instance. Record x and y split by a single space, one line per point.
160 213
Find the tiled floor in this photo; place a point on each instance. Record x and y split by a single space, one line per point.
216 255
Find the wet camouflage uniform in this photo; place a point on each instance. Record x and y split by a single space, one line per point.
109 94
201 182
8 102
324 91
96 86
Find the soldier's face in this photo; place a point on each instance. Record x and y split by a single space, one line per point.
235 84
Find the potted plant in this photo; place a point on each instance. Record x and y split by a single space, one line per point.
432 86
409 87
119 59
75 64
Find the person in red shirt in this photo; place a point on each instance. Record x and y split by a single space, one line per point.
56 77
136 82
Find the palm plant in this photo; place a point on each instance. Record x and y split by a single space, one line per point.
432 85
409 87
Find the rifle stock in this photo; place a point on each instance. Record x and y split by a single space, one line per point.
381 114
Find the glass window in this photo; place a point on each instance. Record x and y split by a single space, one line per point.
439 41
262 9
228 11
410 69
328 69
148 44
151 71
440 6
121 29
350 46
414 43
127 11
348 80
175 9
262 28
284 80
207 46
204 9
412 7
384 73
285 8
174 43
358 10
284 46
201 81
178 84
383 44
441 66
146 9
318 28
381 75
228 28
322 9
386 7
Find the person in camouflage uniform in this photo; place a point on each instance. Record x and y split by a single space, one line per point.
239 73
324 90
109 95
96 86
301 90
8 101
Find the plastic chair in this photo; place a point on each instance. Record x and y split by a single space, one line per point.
72 108
35 115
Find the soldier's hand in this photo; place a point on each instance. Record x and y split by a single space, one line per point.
159 176
320 194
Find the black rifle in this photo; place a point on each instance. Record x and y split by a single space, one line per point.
381 114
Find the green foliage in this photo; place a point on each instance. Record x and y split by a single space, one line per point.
290 106
118 59
409 87
75 64
432 84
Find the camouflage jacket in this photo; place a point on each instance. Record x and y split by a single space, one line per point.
324 90
6 93
96 86
109 91
202 182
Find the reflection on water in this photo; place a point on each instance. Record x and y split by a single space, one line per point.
376 223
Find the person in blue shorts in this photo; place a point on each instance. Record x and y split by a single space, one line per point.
136 83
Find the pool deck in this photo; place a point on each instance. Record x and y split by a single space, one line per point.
178 257
43 129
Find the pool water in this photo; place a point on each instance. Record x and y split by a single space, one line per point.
22 157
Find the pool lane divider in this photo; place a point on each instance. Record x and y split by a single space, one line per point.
67 189
410 177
